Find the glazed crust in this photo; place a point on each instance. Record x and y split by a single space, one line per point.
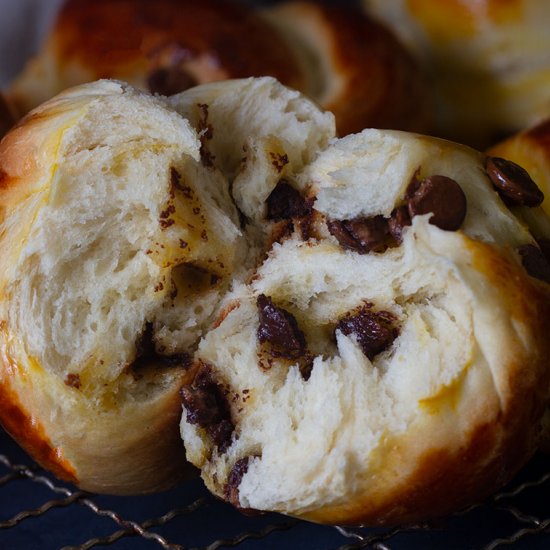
197 42
367 79
107 452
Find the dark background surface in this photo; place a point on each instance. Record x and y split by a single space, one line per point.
39 512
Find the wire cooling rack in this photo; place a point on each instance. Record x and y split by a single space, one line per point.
39 512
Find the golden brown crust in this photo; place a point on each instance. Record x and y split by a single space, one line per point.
141 30
109 452
28 431
165 46
171 45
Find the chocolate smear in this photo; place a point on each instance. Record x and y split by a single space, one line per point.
279 329
375 331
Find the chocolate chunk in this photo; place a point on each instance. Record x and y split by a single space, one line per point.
73 380
175 360
170 81
206 404
444 198
146 353
361 234
279 329
369 233
535 262
231 489
345 240
375 331
513 183
399 219
285 202
145 346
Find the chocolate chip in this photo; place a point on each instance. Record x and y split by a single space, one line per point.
170 81
146 353
175 360
206 404
375 331
442 197
513 183
285 202
73 380
145 346
361 234
345 240
535 262
231 489
399 219
279 329
369 233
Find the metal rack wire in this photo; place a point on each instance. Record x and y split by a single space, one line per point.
38 511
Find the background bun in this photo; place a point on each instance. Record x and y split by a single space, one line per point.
489 61
389 364
338 57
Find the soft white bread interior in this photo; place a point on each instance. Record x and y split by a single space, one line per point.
378 384
107 224
257 132
119 236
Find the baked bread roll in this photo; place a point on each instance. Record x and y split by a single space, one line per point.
389 364
489 61
338 57
119 237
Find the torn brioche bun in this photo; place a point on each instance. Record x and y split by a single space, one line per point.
337 56
390 365
119 237
488 61
109 237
